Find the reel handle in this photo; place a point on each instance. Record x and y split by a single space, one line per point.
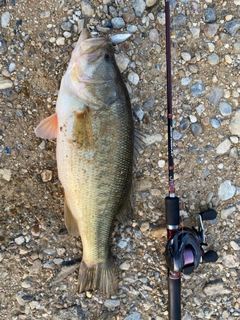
209 256
209 214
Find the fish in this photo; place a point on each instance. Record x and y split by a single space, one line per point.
93 125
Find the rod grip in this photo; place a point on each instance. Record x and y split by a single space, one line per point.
172 211
174 298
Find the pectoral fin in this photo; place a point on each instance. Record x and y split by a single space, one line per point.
48 128
70 222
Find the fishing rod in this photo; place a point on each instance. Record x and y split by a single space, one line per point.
184 249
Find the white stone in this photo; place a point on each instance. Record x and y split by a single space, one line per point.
234 126
125 266
234 245
60 41
150 139
227 211
192 118
186 56
20 240
226 190
122 61
223 147
228 59
5 19
161 163
6 174
133 77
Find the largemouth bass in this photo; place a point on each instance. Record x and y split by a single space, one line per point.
94 130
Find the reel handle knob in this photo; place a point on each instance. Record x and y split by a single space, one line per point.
209 256
209 214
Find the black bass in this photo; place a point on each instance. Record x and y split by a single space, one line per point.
94 129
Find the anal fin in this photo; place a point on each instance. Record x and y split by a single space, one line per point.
125 216
70 222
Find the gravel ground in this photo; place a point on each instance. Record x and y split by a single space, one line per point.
38 259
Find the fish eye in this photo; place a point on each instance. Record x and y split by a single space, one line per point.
107 57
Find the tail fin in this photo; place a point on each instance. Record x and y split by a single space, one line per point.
101 277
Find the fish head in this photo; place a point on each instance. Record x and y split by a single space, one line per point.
93 72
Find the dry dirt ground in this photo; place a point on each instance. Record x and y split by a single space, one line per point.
35 247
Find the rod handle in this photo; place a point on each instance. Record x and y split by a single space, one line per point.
174 297
172 211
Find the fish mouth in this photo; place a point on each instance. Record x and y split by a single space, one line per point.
91 48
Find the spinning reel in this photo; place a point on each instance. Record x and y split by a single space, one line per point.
184 250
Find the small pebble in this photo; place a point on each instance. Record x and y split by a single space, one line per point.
3 46
200 109
154 35
234 126
49 251
193 118
48 265
186 56
138 112
129 16
58 261
215 95
148 105
112 303
66 26
45 14
179 21
46 175
118 23
225 108
230 261
5 19
11 67
213 59
133 77
215 287
26 284
176 135
223 147
6 174
133 316
122 244
60 41
197 88
125 266
232 26
209 15
196 128
150 139
5 83
184 125
161 163
20 240
210 30
234 245
233 153
150 3
87 9
215 123
226 190
161 18
132 28
139 7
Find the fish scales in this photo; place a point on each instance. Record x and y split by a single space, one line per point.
94 130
